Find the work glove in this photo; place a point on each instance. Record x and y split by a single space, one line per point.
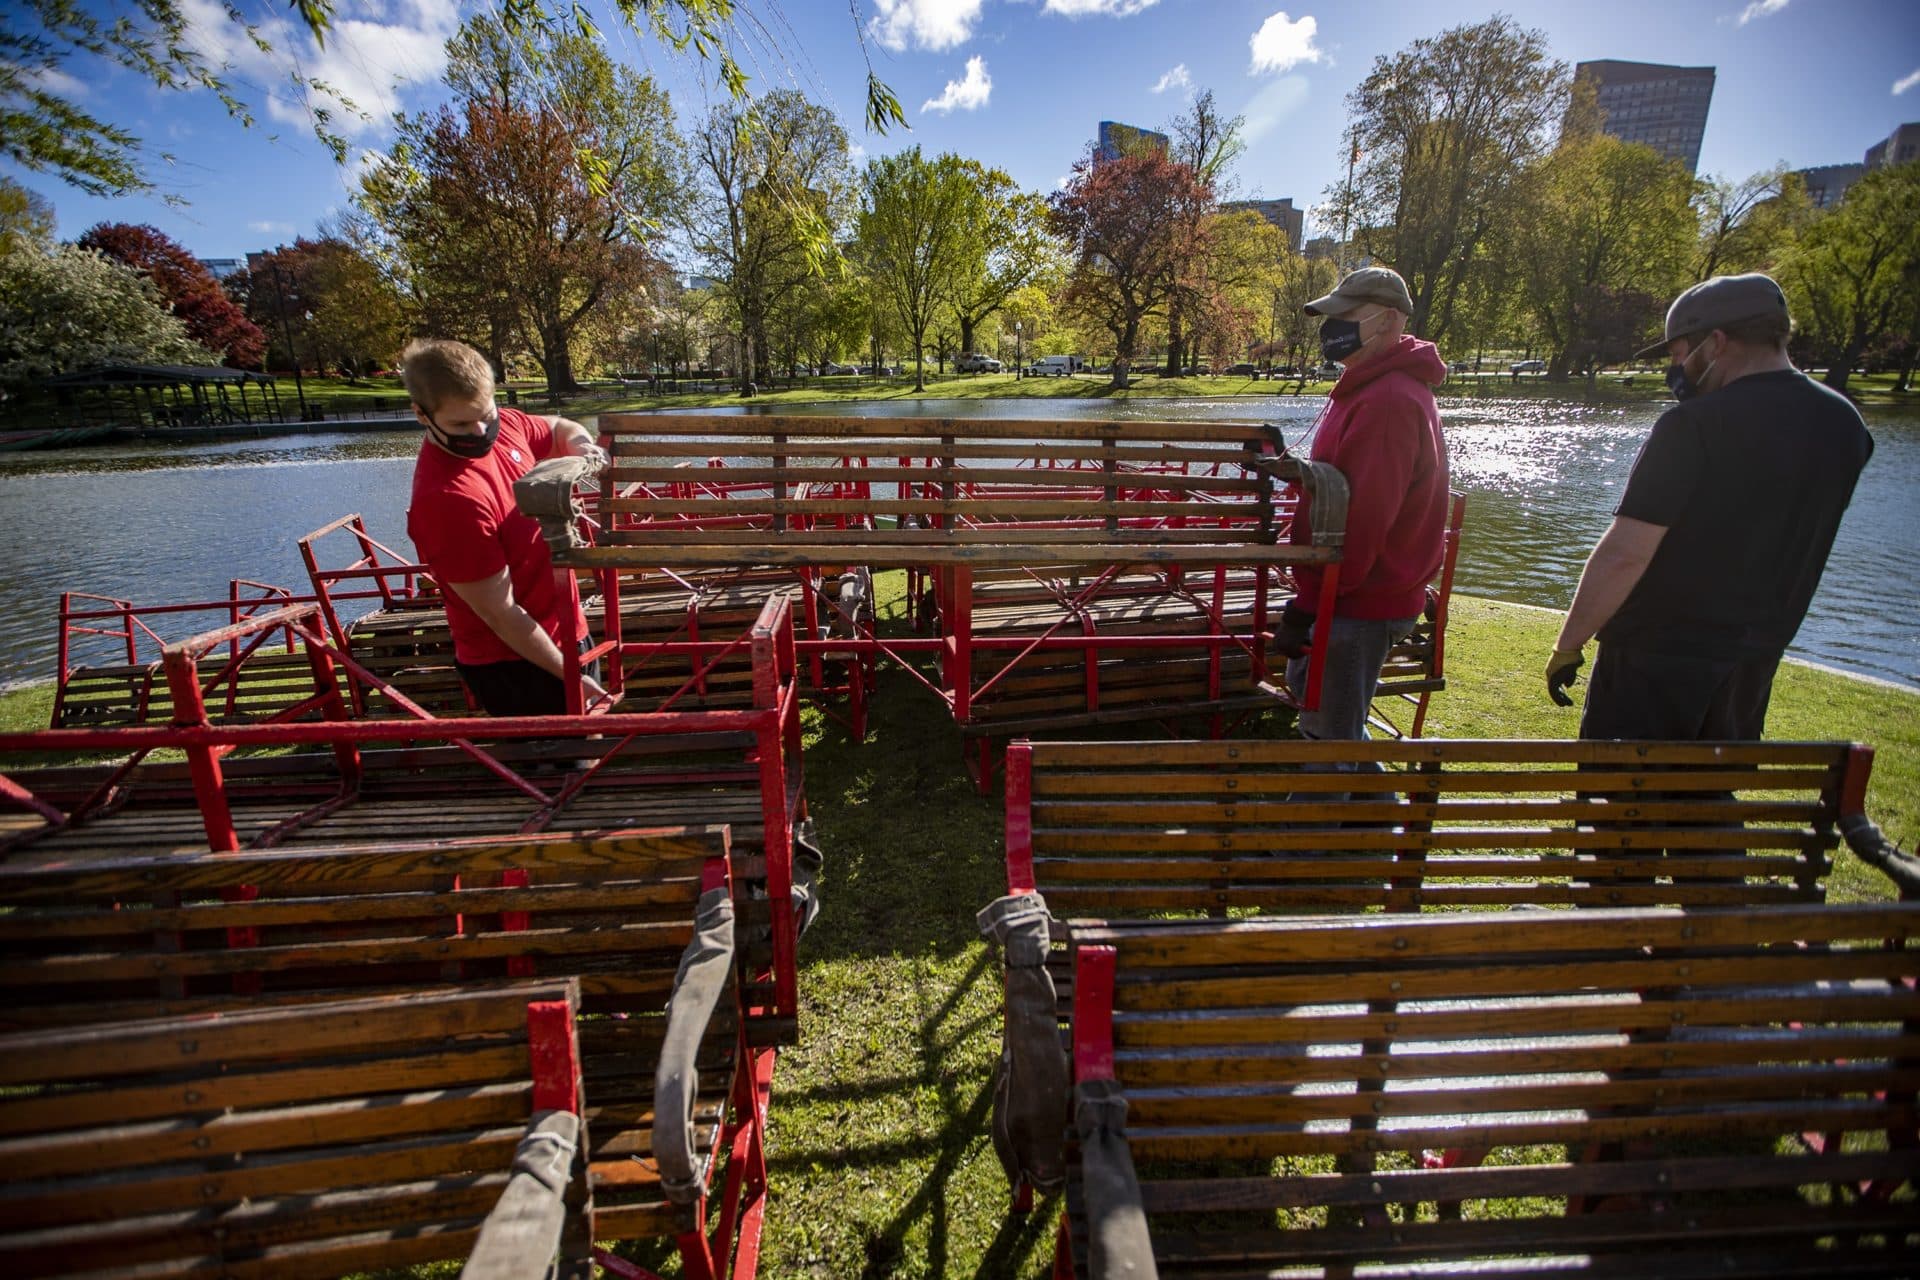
594 454
1294 636
1563 669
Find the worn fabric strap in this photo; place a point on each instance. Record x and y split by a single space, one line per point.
546 493
807 862
1330 496
1031 1082
1872 847
1118 1244
705 966
521 1236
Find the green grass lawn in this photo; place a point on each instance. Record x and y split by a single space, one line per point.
385 393
880 1160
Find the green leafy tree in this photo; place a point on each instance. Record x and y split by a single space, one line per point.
1438 134
1751 225
1208 143
1605 231
914 217
25 217
1007 248
1853 279
770 186
71 308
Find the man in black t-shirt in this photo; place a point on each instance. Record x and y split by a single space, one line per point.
1700 583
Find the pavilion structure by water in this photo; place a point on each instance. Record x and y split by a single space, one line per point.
147 396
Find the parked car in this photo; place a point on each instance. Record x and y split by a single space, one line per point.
1328 371
830 367
1203 369
1529 366
1243 370
975 362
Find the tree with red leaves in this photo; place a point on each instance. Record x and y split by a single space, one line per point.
211 317
1135 225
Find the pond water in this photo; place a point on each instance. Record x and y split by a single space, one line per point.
158 523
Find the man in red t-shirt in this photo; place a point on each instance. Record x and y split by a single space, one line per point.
506 603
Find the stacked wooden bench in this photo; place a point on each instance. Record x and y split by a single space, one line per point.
1228 829
134 689
811 495
94 933
310 1140
1659 1092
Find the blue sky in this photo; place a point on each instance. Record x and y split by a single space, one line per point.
1016 83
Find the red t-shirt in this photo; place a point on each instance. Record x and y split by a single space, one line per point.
465 527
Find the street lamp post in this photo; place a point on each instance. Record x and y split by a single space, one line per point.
1019 364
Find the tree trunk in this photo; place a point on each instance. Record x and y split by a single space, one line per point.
966 334
1174 342
919 363
1905 380
1842 369
556 359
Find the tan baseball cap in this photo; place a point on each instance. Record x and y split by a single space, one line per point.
1367 285
1717 303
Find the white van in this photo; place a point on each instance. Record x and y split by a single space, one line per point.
1056 366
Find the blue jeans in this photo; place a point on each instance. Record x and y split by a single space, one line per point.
1356 650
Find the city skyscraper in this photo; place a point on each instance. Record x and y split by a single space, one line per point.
1280 213
1648 102
1116 139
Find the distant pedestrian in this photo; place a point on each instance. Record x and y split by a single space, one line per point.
1718 543
1381 429
506 603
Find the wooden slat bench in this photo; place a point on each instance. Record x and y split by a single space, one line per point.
951 497
1664 1092
1209 828
1151 827
248 687
319 1140
106 937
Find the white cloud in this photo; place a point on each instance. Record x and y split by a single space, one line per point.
1174 79
1270 108
54 80
969 94
931 24
1759 9
267 227
1281 44
1905 83
365 62
1103 8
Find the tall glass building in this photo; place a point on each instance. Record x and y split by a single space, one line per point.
1664 107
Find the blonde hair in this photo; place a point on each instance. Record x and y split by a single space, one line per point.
436 370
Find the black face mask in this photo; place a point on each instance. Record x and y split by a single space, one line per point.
467 446
1339 338
1683 384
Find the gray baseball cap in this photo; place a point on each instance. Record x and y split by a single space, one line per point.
1717 303
1368 284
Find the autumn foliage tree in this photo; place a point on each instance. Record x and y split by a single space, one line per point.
212 319
531 199
1135 226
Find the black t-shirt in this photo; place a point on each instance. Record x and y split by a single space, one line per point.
1750 482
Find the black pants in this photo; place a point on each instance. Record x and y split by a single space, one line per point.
1634 693
517 687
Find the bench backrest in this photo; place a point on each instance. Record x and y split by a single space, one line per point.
315 1141
1121 828
889 492
89 939
1692 1069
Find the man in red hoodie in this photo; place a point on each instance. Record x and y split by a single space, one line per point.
1381 428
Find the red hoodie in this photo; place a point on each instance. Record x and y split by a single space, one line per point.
1381 428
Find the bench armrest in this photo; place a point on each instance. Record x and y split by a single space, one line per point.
1871 846
705 967
1118 1244
522 1234
1031 1084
